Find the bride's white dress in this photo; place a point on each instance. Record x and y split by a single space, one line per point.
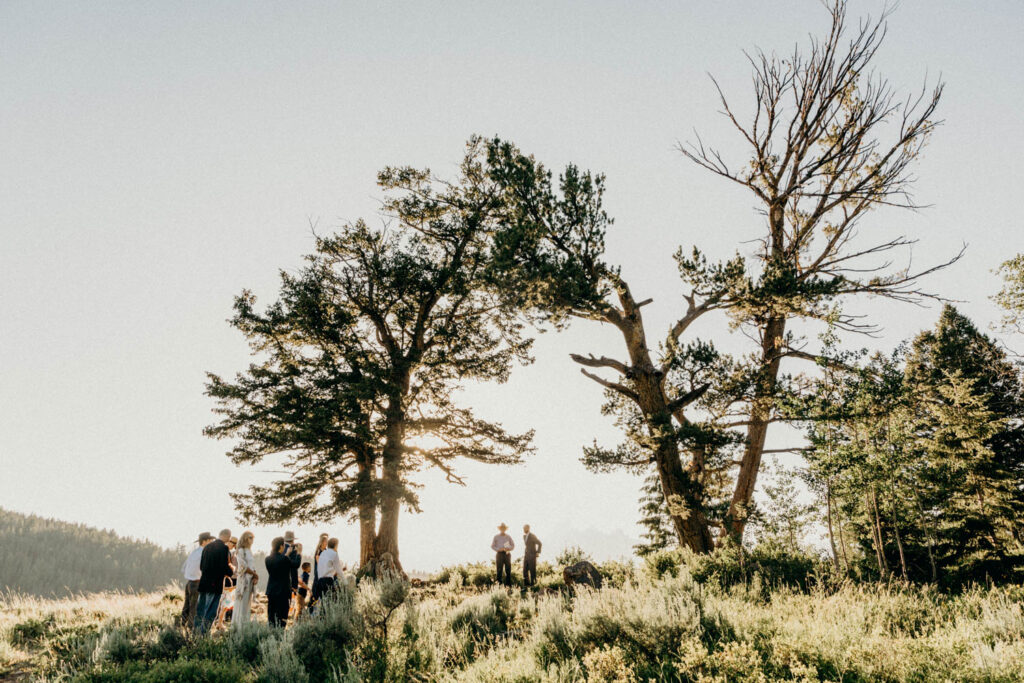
243 591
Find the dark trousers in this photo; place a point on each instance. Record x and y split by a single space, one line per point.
206 611
277 609
188 606
529 570
326 586
504 561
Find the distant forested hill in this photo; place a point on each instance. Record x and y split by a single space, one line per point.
50 558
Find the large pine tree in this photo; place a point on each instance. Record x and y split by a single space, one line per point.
357 362
971 431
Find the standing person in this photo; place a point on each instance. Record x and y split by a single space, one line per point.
293 551
303 586
227 601
329 567
503 546
192 575
321 546
531 549
214 566
279 584
246 578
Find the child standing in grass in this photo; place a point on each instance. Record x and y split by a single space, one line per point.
303 590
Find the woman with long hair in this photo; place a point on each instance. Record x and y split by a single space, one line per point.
245 572
320 547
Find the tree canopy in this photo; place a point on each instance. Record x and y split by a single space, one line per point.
359 358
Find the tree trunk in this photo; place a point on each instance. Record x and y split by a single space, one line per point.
385 545
684 505
842 545
930 532
757 429
831 535
367 509
876 528
899 541
682 488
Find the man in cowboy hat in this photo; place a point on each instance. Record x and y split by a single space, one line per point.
503 545
214 565
192 575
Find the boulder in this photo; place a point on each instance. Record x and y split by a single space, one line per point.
582 573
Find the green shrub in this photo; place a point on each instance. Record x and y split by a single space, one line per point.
118 646
178 671
617 573
572 555
242 641
323 641
33 631
552 639
410 656
608 665
769 564
475 574
664 563
279 663
483 616
168 643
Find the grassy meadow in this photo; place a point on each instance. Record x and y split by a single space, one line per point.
660 620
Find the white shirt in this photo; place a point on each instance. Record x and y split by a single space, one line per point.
329 564
502 543
191 567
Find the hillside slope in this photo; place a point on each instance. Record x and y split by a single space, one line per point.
50 558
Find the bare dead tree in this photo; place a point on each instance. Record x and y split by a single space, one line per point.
829 140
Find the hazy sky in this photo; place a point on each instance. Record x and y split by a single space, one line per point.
156 158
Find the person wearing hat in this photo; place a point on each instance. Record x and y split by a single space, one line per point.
192 575
214 564
503 546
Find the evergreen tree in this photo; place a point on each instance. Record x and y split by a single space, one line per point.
786 517
971 432
922 453
359 359
654 517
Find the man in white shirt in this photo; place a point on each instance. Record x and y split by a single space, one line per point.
192 575
502 545
329 567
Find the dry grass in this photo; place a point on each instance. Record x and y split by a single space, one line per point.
37 633
650 629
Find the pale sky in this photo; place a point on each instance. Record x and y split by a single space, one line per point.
156 158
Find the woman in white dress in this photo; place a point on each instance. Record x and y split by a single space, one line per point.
245 571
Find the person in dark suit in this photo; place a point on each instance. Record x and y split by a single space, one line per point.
531 548
293 551
214 566
279 584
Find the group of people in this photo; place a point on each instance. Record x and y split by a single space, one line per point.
503 545
226 566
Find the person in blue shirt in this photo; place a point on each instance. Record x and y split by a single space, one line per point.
303 590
